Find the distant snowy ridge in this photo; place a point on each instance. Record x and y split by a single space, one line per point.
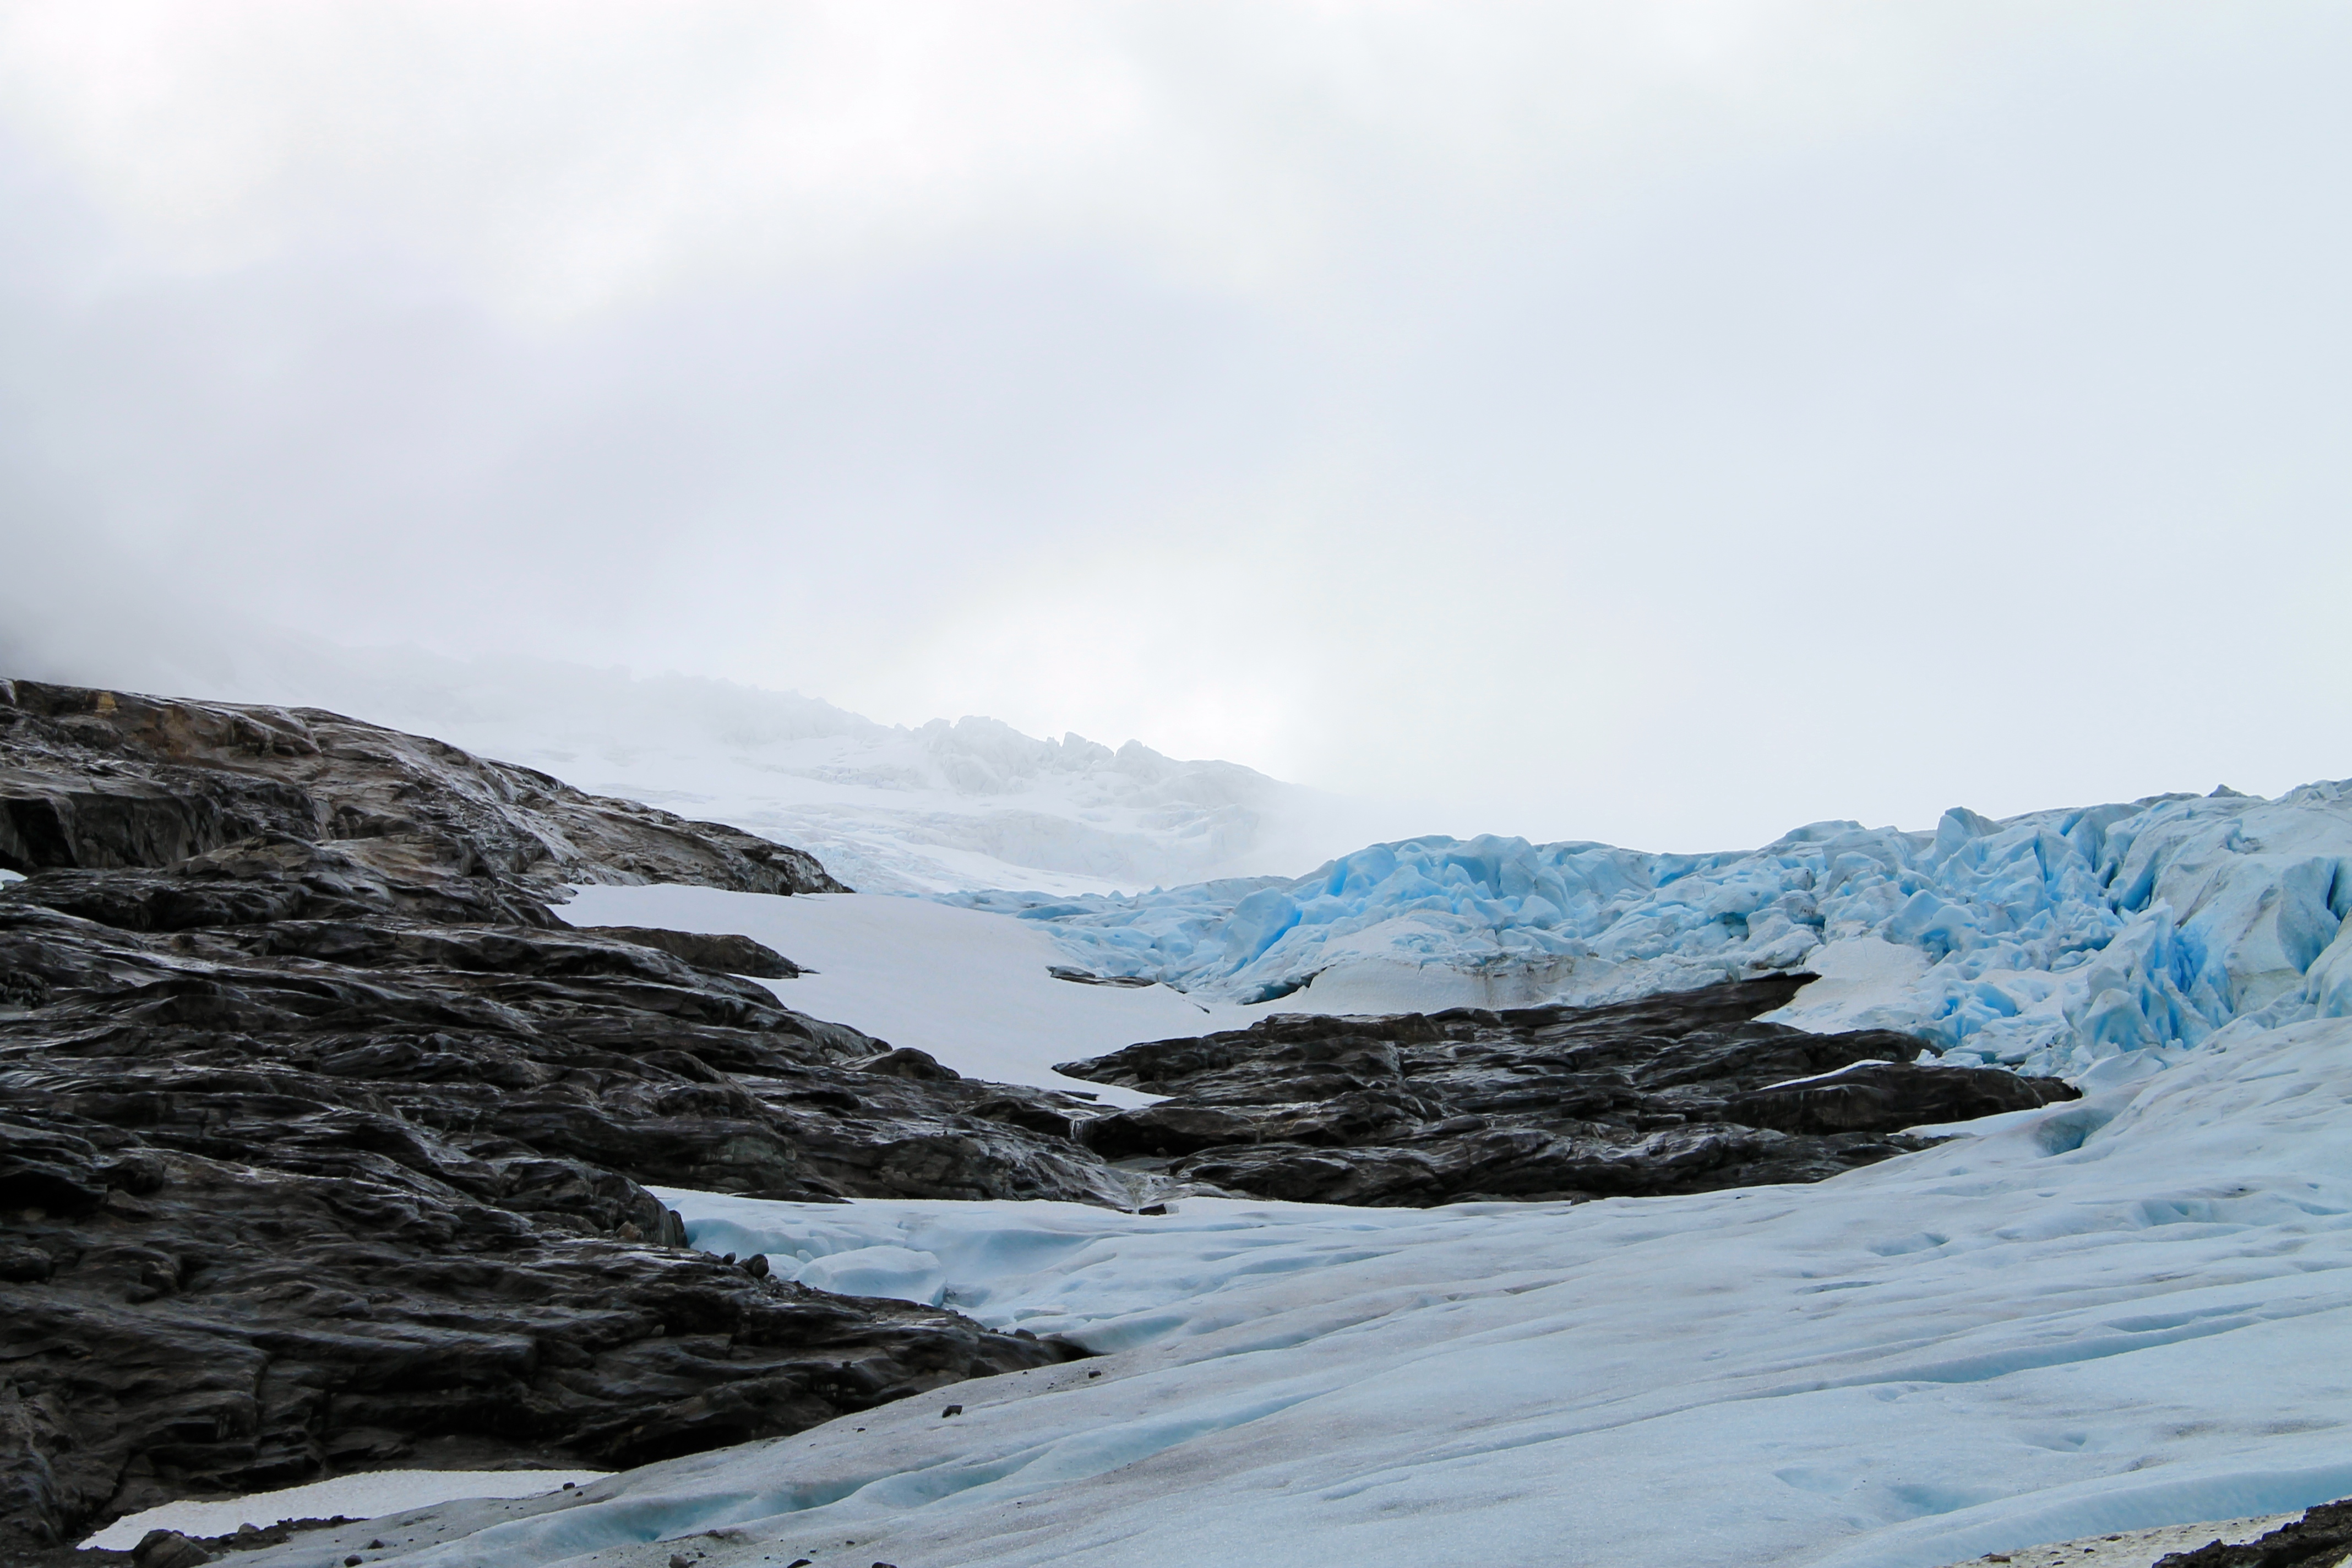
887 808
972 803
2050 939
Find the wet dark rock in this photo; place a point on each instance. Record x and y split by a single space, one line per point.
168 1549
100 780
1087 977
727 954
18 989
909 1063
1678 1093
268 1218
1888 1096
321 1152
2322 1538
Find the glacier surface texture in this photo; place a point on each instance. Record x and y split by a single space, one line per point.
2123 1312
2050 942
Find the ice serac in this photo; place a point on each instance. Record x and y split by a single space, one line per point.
2049 940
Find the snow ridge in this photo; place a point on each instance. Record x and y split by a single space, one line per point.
2050 940
972 803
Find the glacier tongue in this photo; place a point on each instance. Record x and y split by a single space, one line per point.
2051 940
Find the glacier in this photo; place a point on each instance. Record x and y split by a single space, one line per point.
2122 1311
2048 941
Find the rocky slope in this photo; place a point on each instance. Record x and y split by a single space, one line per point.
2322 1538
102 779
323 1138
319 1151
1675 1093
287 1195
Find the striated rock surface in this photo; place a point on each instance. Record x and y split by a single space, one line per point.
321 1147
105 779
730 955
1676 1093
2322 1538
270 1215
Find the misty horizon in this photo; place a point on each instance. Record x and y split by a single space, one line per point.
1571 422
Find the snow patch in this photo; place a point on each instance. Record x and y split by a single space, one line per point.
972 989
364 1495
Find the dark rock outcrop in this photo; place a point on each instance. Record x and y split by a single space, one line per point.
286 1197
1674 1093
727 954
322 1138
2322 1538
215 1324
105 780
304 1195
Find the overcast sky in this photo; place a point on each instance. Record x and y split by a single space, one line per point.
1665 422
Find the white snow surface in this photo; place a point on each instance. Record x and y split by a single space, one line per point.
2049 940
972 989
887 808
362 1496
2117 1313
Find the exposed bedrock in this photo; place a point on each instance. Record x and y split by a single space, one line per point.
1676 1093
2322 1538
105 779
294 1196
175 1323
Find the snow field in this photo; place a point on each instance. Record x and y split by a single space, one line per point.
887 808
2118 1313
972 989
362 1496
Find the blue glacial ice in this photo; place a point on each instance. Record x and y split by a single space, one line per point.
2051 940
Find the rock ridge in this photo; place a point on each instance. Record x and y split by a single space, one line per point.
1674 1093
103 780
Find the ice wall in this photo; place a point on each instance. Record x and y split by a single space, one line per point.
2050 939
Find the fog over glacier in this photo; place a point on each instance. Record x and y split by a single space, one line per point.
1207 510
1655 425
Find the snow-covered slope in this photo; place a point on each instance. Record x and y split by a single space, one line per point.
968 803
974 990
2050 939
2124 1312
